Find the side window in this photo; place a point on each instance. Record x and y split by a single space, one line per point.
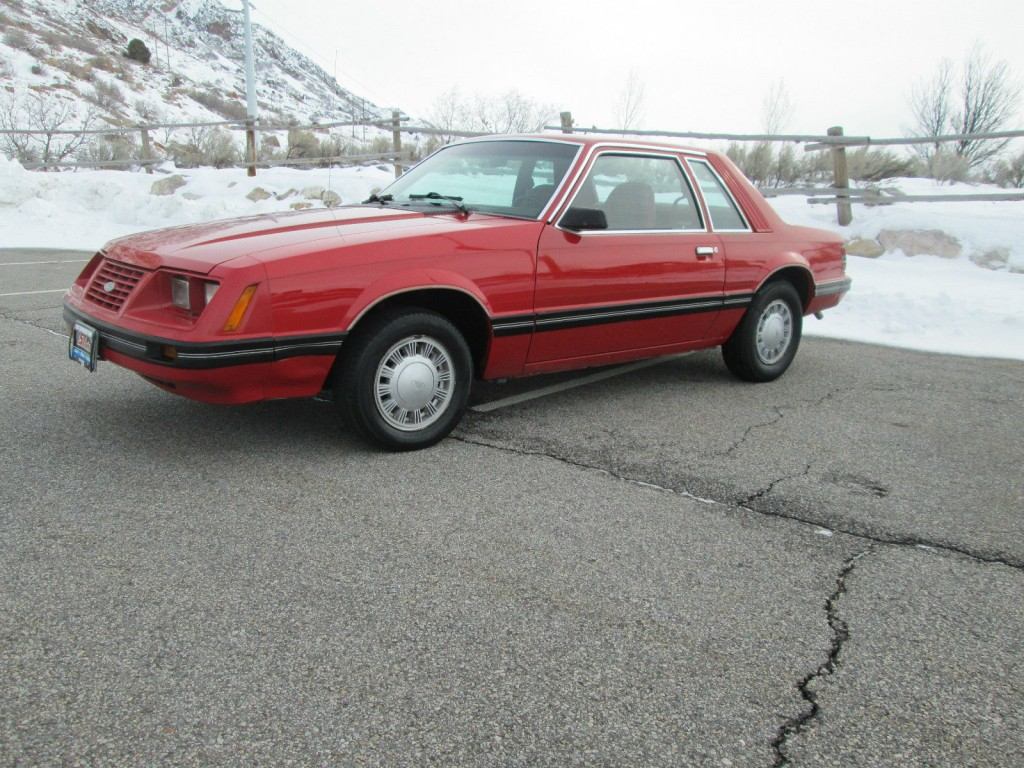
723 211
638 192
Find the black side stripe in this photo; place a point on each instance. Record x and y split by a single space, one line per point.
578 318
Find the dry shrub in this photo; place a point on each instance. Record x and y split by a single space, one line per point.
103 62
213 101
107 95
78 71
16 38
205 146
866 164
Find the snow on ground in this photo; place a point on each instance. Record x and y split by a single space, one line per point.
85 209
921 302
926 302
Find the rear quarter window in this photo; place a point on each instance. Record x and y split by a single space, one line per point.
721 207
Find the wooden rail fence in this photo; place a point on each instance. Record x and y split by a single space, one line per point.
834 140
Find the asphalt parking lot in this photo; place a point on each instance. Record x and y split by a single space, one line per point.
663 566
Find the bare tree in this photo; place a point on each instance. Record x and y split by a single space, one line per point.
776 108
987 100
51 117
17 146
930 102
771 168
46 118
510 113
989 97
448 114
629 109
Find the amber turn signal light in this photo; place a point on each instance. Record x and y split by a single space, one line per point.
235 318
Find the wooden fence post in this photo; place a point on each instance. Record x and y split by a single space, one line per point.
250 146
396 139
566 122
841 178
147 153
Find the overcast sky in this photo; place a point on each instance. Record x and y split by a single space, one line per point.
705 65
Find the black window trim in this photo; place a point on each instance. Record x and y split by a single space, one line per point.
588 166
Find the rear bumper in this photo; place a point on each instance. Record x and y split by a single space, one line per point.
833 287
827 295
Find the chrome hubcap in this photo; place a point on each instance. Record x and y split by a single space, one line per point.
774 332
414 383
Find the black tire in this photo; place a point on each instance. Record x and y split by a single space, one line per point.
752 360
414 337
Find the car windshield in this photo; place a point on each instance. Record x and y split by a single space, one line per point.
511 178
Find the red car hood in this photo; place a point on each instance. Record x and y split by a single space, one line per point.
201 247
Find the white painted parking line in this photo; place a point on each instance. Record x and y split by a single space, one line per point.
564 385
33 293
32 263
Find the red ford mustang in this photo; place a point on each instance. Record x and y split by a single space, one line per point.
492 258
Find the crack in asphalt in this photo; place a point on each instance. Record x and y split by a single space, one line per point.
894 540
840 634
771 487
779 416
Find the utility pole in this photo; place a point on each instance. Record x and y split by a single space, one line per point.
250 95
167 46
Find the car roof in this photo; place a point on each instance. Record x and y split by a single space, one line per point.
588 140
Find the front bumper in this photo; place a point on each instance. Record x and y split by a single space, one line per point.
227 372
191 355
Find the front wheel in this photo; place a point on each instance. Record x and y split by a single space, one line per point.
765 342
404 380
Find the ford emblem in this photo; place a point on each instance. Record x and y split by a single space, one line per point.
109 286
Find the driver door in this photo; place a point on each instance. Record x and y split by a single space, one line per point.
654 278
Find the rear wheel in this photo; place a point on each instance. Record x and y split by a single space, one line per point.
404 381
765 342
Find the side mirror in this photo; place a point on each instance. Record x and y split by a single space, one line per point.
579 219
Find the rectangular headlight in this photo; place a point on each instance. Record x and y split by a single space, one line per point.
179 293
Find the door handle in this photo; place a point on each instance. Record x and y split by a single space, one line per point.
706 251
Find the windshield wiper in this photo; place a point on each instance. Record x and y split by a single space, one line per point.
382 199
455 201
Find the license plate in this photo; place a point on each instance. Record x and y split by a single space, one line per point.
83 345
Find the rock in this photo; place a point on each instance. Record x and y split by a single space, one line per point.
287 194
914 242
993 258
312 193
191 196
257 194
866 247
331 198
167 186
1016 262
233 183
300 206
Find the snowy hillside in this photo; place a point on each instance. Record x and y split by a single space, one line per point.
924 301
74 52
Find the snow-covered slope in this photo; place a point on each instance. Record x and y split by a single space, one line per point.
74 52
